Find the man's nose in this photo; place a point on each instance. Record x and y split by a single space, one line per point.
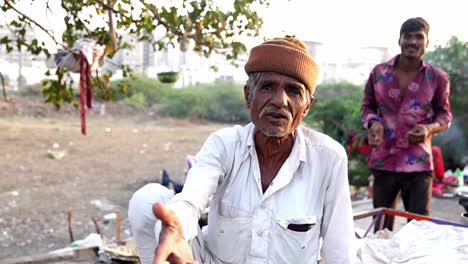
280 98
413 41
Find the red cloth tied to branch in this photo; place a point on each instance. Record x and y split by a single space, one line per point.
85 90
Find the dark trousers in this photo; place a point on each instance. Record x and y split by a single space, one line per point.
415 190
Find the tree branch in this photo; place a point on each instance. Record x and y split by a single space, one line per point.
158 17
39 26
111 27
115 11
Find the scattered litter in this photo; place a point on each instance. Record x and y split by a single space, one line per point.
56 145
167 146
92 240
104 205
108 129
127 250
12 204
111 216
56 154
14 193
135 130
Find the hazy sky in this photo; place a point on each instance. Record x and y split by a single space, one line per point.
342 24
345 23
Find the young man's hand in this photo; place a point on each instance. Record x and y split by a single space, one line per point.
375 133
172 246
418 134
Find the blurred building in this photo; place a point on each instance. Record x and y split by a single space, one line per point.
20 63
353 66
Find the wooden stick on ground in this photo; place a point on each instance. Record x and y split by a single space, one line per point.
119 219
96 225
70 228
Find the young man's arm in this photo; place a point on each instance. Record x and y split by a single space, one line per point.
442 113
369 104
369 117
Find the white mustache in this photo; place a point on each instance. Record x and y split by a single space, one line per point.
273 110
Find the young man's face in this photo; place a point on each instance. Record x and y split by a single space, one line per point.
413 44
277 104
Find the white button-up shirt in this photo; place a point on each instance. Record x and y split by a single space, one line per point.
246 225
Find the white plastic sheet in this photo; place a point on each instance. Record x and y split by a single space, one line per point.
418 242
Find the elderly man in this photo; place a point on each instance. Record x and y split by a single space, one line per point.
276 188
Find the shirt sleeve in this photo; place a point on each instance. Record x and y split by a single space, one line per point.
369 103
337 230
441 103
201 183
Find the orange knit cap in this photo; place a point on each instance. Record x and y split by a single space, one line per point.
288 56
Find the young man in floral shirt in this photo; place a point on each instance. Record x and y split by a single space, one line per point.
406 101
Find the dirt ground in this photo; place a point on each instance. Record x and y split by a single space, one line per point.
124 149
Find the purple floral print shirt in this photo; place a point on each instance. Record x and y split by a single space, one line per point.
426 101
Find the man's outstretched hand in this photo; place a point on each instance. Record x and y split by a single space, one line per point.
172 246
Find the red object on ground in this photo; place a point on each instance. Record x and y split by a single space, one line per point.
361 146
439 183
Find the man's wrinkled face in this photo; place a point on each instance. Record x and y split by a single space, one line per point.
413 44
277 104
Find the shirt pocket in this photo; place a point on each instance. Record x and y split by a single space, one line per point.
297 239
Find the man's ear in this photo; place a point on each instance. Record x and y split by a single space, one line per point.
306 110
247 95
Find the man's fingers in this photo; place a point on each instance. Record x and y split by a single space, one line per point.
162 253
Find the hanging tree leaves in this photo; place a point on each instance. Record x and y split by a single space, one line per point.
203 22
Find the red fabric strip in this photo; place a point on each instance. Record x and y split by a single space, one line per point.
82 93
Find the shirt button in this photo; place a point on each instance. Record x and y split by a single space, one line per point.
221 231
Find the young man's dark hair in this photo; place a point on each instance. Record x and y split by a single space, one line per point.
414 24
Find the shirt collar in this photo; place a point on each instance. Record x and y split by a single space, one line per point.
299 143
391 63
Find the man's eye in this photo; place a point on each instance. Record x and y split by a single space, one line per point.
267 87
294 91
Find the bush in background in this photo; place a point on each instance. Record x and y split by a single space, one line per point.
219 102
453 145
30 90
151 89
136 101
336 112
